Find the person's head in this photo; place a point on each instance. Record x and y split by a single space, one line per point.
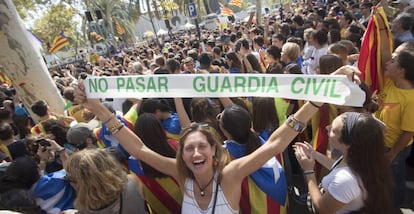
345 21
97 178
40 108
19 201
233 61
264 114
173 66
254 62
6 131
278 40
400 67
366 8
149 129
80 136
200 152
22 173
235 122
292 68
158 107
329 63
334 36
319 38
160 61
360 138
350 47
258 41
273 54
69 94
242 46
402 23
290 52
340 50
298 21
56 131
205 60
137 68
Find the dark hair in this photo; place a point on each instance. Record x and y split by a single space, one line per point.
355 39
259 40
21 122
405 20
235 61
335 36
254 63
6 131
329 63
21 201
264 114
39 108
366 147
274 51
149 129
57 129
321 36
22 173
237 122
405 60
293 68
152 105
172 65
298 20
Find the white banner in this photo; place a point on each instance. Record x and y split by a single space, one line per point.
335 89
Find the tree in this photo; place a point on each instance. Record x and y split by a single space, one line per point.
57 17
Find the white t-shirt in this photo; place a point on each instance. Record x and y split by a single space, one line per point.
343 185
314 59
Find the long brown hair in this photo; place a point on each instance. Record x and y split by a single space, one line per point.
97 178
366 157
213 139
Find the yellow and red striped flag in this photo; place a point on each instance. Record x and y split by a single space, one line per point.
96 36
59 42
119 28
369 61
225 11
237 3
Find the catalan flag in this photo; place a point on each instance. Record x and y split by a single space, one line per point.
225 11
237 3
369 61
119 28
59 42
96 36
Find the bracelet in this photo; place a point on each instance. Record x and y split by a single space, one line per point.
308 172
115 128
312 103
383 28
295 124
108 119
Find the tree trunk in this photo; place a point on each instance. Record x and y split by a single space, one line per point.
206 6
258 12
23 63
152 23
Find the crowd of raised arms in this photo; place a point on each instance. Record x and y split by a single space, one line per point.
225 155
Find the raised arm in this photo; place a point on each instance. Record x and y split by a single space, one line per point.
182 114
282 136
128 139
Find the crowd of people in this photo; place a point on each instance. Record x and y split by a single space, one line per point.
224 155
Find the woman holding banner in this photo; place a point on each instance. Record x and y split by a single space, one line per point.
209 183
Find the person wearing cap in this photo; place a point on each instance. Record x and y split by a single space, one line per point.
400 5
81 136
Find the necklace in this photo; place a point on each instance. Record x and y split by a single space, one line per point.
202 193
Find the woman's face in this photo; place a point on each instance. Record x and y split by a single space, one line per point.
334 132
269 58
198 153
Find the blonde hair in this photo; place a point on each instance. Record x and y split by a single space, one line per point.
97 178
292 51
213 139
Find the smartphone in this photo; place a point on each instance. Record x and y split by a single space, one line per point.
43 142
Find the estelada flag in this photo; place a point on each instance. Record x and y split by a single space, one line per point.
225 11
59 42
237 3
369 61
